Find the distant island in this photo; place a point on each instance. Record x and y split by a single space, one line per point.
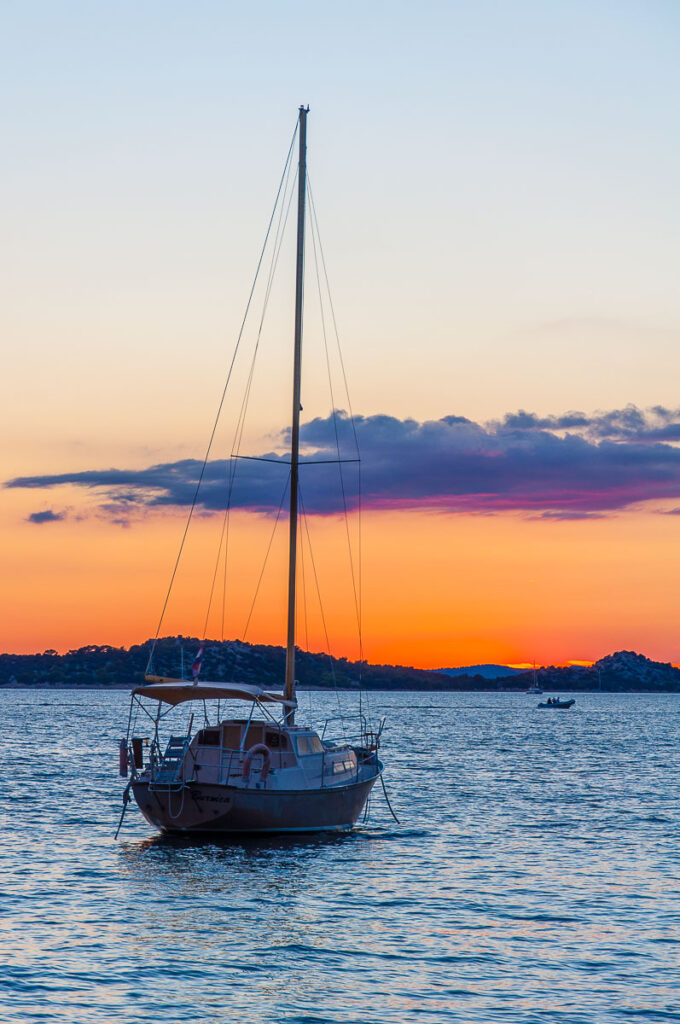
233 660
487 671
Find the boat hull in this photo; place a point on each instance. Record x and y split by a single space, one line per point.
230 809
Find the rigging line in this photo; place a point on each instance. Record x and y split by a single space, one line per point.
337 436
332 307
212 586
361 604
325 462
227 516
351 413
266 557
304 585
224 394
314 219
262 458
274 263
278 241
302 462
240 425
297 596
323 616
231 475
387 799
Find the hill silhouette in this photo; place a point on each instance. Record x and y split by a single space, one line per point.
235 661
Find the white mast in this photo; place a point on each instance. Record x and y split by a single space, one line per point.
289 691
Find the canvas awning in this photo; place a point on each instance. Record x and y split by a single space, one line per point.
176 691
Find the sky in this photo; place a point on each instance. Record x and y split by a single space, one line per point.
496 191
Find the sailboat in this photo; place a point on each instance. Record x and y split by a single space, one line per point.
259 772
535 688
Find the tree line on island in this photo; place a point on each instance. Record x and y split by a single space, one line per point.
236 661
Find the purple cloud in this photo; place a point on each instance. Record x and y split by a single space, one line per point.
48 516
565 515
564 467
627 424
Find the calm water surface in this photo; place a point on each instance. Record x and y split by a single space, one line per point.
533 878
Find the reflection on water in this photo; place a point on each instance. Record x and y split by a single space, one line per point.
534 878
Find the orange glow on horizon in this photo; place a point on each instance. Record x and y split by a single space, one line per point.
438 590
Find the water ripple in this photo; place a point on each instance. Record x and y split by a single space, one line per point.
533 880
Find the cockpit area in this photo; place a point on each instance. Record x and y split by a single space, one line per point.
247 752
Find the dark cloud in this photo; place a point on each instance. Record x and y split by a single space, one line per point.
566 515
627 424
529 421
564 467
48 516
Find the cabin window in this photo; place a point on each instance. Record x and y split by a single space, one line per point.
253 736
338 767
209 738
303 745
231 736
317 745
276 741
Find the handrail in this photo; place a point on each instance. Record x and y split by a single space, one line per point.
360 716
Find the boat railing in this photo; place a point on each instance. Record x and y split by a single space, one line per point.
226 754
366 739
359 718
229 761
180 764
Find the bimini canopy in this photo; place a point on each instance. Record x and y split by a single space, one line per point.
176 691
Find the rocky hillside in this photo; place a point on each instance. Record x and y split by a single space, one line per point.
233 661
623 671
229 661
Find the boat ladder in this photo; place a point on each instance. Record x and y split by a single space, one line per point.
170 768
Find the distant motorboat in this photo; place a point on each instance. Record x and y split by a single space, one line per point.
557 705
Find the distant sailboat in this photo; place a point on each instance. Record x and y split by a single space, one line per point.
252 774
535 688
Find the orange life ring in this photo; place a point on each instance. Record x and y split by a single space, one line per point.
259 748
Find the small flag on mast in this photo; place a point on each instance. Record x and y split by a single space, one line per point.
196 667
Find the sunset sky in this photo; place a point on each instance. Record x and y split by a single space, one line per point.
496 188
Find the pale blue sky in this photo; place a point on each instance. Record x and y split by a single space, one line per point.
497 186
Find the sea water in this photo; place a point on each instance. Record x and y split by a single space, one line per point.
533 876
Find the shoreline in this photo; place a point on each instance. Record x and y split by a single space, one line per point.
509 691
